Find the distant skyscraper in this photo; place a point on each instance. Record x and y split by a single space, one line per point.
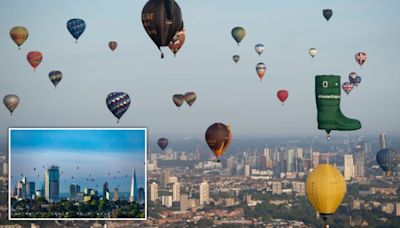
348 166
382 141
153 191
246 169
176 192
30 190
134 194
165 178
106 191
290 160
141 197
315 159
359 161
5 168
52 183
166 201
21 190
73 191
184 203
116 194
276 187
204 193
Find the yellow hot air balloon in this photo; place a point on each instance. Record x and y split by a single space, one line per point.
325 189
19 34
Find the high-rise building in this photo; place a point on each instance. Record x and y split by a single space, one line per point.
166 201
106 192
315 159
153 191
52 183
165 178
230 162
382 141
246 169
74 189
290 160
21 190
276 187
30 190
204 193
359 161
141 196
348 166
133 194
5 168
116 194
184 203
176 192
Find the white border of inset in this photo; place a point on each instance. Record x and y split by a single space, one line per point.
76 219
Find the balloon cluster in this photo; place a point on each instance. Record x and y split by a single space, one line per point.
189 97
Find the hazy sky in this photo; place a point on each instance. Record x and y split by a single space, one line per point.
226 92
80 154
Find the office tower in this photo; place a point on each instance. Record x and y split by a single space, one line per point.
359 162
52 183
299 152
21 190
134 194
184 203
30 190
106 191
141 197
315 159
348 166
246 169
382 141
73 192
204 193
165 178
153 191
276 187
176 192
230 162
290 160
116 194
5 168
166 201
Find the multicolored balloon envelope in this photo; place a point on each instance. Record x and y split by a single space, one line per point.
261 69
118 103
347 87
177 42
162 19
218 137
388 160
55 77
11 102
327 13
238 33
19 34
354 78
361 57
162 143
34 58
259 48
190 98
76 27
178 99
113 45
282 95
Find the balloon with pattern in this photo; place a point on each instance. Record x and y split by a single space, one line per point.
113 45
347 87
259 49
178 99
361 57
218 137
76 27
177 42
55 77
261 69
19 35
238 33
236 58
34 59
118 103
11 102
354 79
190 98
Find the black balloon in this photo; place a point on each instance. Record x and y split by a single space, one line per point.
327 14
162 143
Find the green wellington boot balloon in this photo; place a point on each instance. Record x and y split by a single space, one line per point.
327 95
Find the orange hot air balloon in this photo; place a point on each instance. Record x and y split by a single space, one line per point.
34 58
261 69
177 42
282 95
218 138
19 34
113 45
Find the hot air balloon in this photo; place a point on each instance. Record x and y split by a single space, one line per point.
55 77
190 98
178 99
11 102
113 45
34 58
361 57
76 27
260 69
217 138
177 42
19 34
354 78
388 160
347 87
259 48
312 52
162 19
327 14
118 103
325 189
238 33
236 58
282 95
162 143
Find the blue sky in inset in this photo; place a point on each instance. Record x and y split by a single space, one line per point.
102 155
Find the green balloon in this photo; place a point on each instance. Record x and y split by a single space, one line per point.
238 33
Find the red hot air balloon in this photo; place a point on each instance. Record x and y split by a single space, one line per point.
282 95
113 45
34 58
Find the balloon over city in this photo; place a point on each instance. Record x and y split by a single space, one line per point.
113 45
218 137
347 87
34 58
19 35
312 52
261 69
76 27
361 57
259 48
177 42
327 14
178 99
325 189
162 143
282 95
11 102
238 33
388 160
354 78
236 58
118 103
55 77
190 98
162 19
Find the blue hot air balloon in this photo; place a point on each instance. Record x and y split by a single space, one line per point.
76 27
388 159
118 103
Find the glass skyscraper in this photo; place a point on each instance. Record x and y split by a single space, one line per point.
52 183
